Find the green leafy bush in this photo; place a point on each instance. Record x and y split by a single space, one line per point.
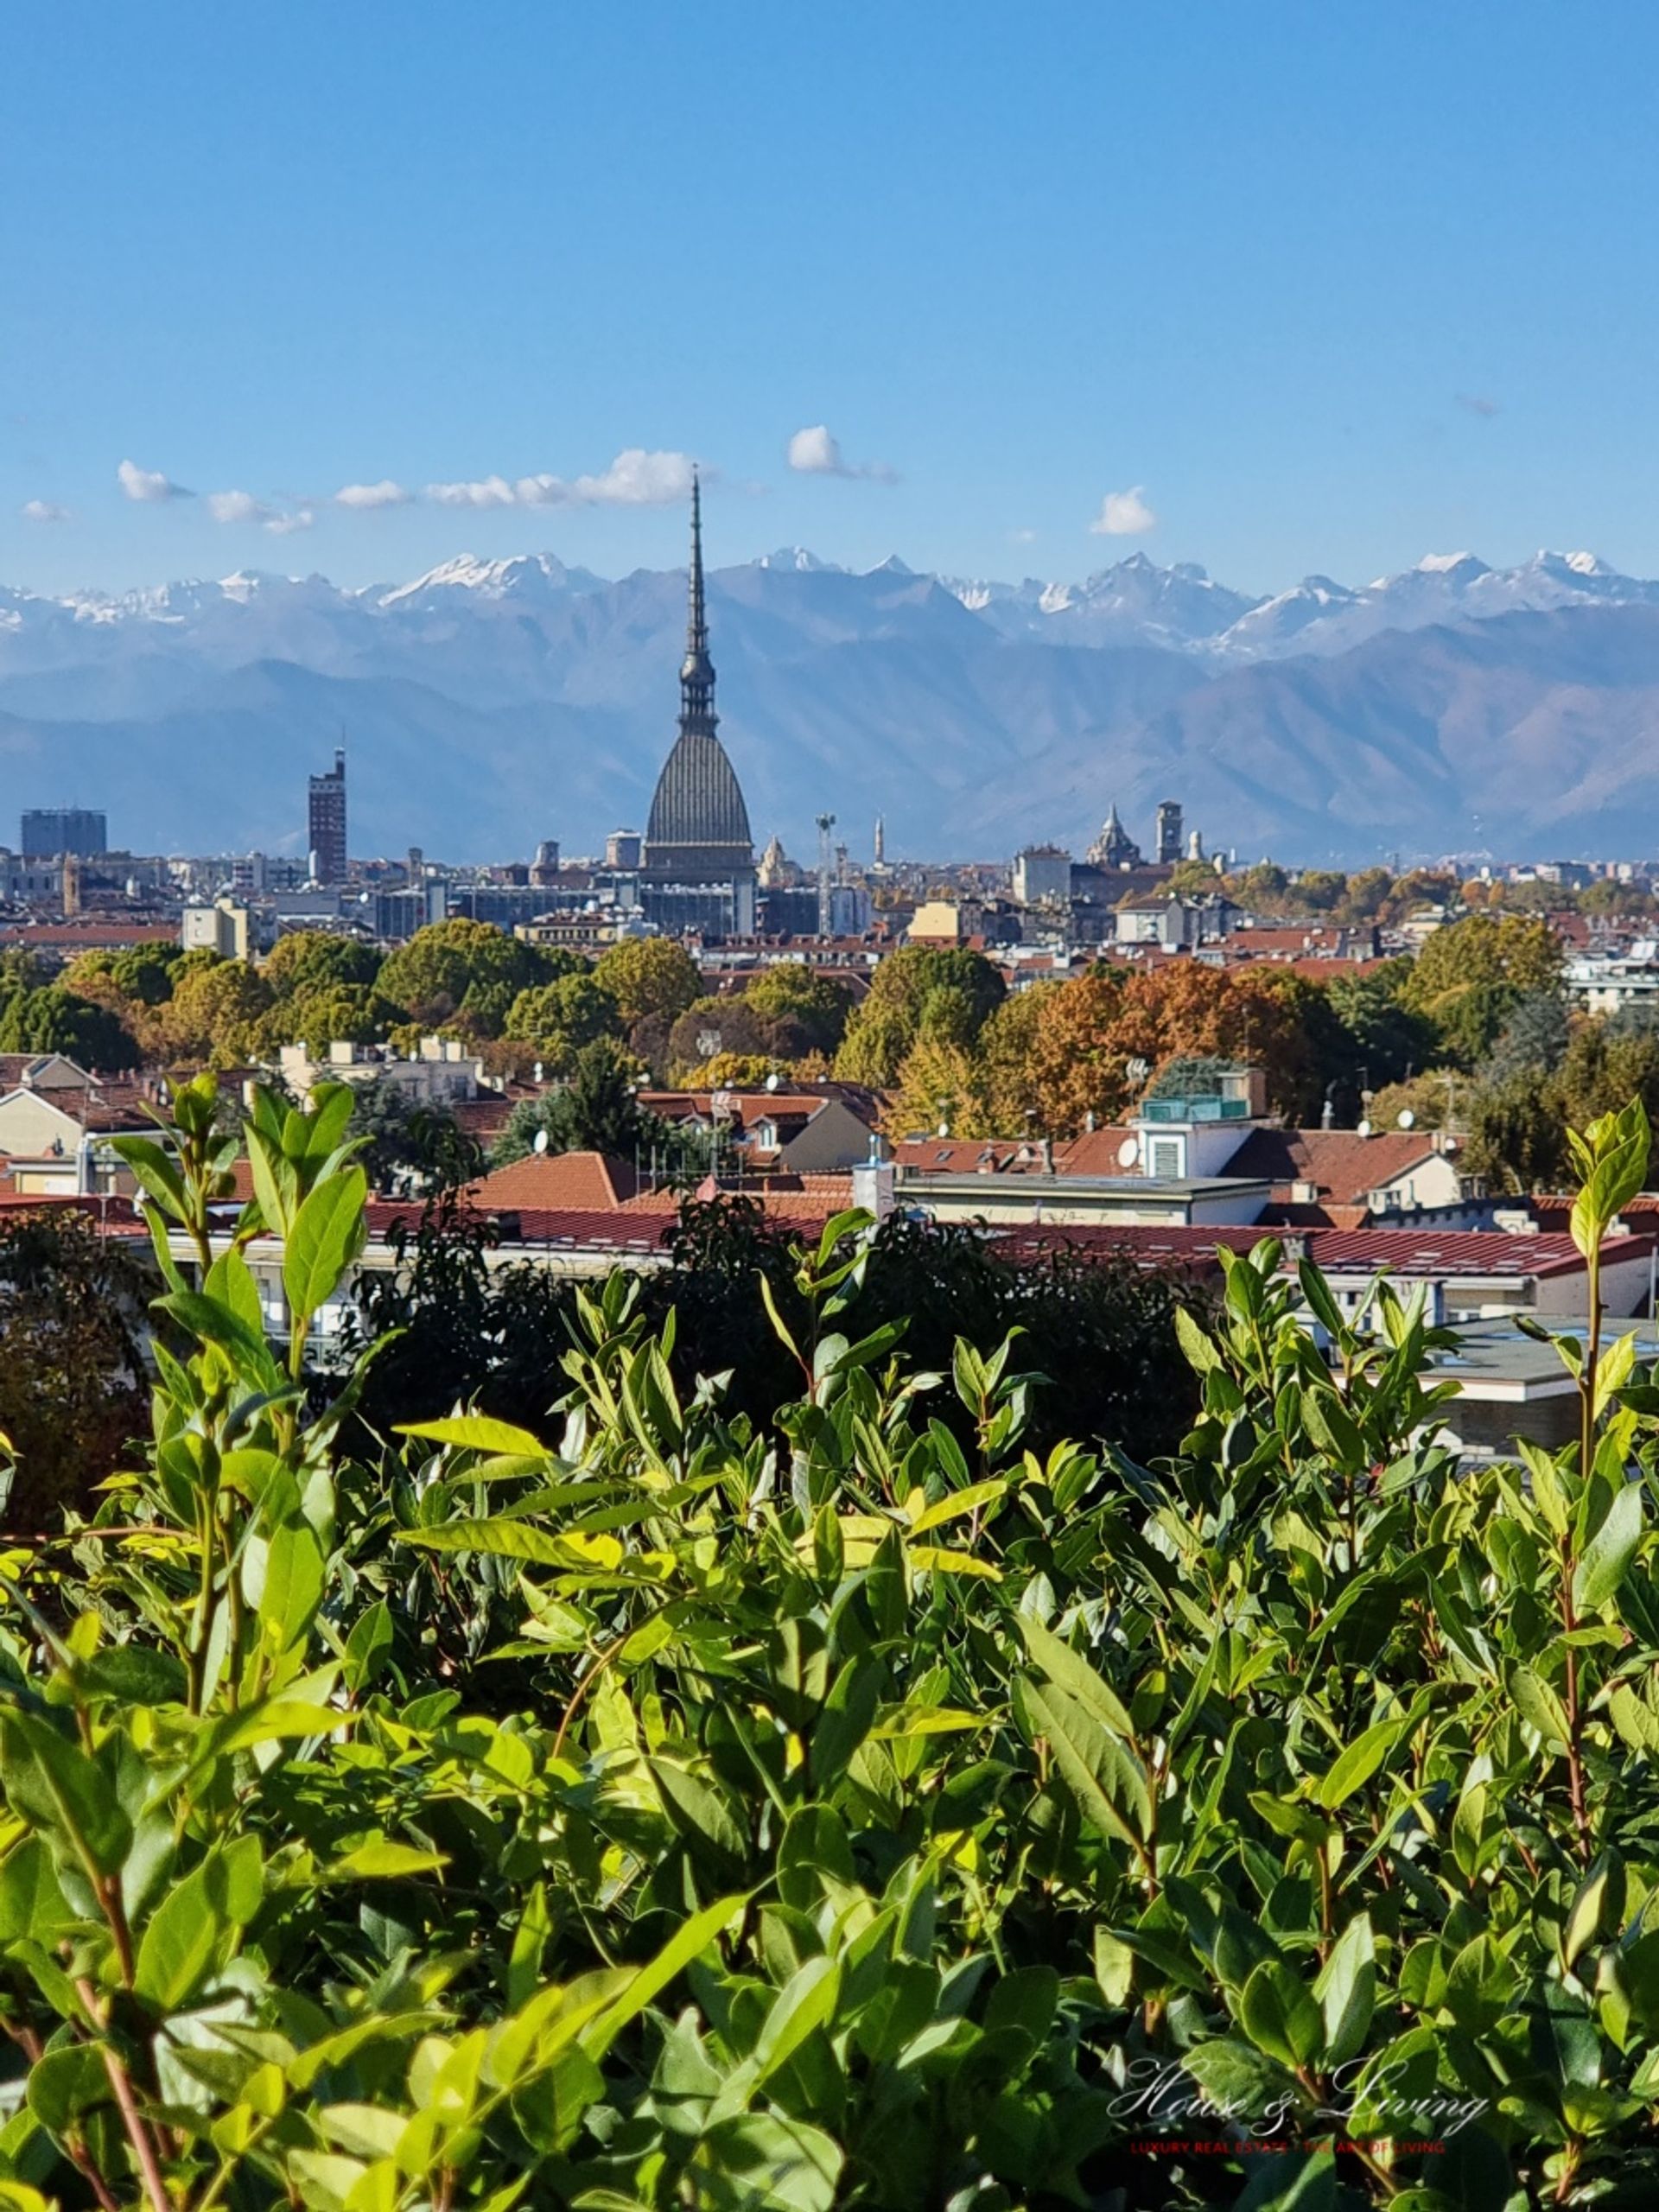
674 1810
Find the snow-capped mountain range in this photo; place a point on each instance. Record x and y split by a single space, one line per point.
489 702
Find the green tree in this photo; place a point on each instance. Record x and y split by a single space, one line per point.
598 1110
73 1385
1386 1040
1514 1138
808 1012
53 1020
463 972
881 1031
214 1016
731 1022
320 1014
651 978
1533 1040
142 974
559 1018
941 1086
306 961
408 1144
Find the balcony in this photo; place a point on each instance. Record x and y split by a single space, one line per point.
1194 1109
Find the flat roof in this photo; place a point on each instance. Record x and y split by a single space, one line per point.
1497 1361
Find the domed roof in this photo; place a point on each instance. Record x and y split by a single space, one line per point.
698 799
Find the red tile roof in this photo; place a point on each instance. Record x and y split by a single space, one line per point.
1465 1254
1343 1164
550 1181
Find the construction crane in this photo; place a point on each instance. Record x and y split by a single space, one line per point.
826 871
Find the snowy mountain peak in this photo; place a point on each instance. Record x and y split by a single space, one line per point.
1448 564
526 575
797 560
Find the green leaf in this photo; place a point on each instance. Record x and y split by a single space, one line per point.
1316 1296
52 1784
806 2001
1244 2083
67 2083
959 1503
1599 1903
134 1674
382 1862
764 2162
179 1945
1537 1703
369 1646
1347 1990
848 1716
500 1537
1105 1777
1196 1347
1635 1720
701 1814
155 1173
1616 1148
1354 1765
1277 2011
325 1238
212 1322
1606 1558
230 1280
688 1942
1077 1677
479 1433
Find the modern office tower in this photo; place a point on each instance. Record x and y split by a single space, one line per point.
50 831
326 823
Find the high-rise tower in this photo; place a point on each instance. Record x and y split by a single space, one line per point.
699 855
326 823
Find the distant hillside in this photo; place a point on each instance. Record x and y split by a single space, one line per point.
489 705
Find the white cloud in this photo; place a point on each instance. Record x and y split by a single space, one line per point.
634 479
243 507
237 506
1124 514
815 452
488 491
1022 537
149 485
367 497
43 511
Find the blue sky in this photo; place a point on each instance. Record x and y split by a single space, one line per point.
1324 289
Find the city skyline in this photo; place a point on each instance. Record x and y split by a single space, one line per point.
950 294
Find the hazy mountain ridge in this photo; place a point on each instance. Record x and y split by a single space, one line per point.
491 702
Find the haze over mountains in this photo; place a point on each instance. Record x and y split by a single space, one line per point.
487 704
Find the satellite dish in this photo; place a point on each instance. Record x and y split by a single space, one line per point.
1405 1119
945 1128
771 1080
538 1143
1448 1144
1128 1153
1364 1128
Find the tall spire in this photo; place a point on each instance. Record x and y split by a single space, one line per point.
696 671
